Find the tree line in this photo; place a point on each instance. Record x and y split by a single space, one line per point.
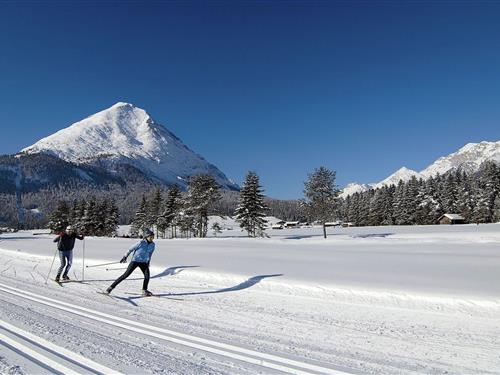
475 196
173 213
90 217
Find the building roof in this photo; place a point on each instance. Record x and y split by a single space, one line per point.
453 217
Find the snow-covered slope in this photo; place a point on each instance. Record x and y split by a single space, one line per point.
354 188
367 300
127 134
403 173
468 158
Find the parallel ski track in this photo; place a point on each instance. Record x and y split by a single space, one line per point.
231 351
45 353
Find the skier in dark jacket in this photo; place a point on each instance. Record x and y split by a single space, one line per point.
65 244
141 257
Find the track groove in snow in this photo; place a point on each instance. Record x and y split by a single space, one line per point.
47 354
250 356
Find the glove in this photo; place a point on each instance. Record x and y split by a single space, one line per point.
123 260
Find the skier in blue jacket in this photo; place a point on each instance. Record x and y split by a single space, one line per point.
141 256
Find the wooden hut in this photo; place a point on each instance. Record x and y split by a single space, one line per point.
451 219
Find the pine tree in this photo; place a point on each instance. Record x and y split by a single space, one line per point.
450 194
380 210
354 210
187 221
59 219
203 194
111 218
400 214
155 209
465 201
78 214
251 210
486 191
496 209
169 215
388 206
320 194
100 223
91 218
140 218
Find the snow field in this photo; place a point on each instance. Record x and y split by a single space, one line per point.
294 295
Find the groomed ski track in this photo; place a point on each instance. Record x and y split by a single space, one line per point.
47 355
266 361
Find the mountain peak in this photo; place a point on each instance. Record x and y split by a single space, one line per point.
122 104
402 173
405 170
126 134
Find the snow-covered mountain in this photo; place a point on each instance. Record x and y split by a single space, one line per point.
126 134
403 173
354 188
468 158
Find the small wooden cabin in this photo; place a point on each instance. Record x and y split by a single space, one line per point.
449 219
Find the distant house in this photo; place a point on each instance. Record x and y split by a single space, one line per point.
347 225
451 219
333 224
278 225
292 224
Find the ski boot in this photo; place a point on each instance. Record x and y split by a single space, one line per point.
146 293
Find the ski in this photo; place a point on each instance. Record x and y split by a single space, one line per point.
139 295
105 294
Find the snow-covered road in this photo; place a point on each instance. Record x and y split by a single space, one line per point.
213 307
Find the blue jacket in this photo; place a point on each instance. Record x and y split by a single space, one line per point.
142 251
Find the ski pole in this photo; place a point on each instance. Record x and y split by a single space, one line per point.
50 270
83 264
103 264
113 269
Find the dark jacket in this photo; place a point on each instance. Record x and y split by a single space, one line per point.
66 241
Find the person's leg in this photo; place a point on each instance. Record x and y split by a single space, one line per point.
145 270
69 258
131 267
62 259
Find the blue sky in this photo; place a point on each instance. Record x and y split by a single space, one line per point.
281 88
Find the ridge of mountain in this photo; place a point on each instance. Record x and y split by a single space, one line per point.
468 158
126 134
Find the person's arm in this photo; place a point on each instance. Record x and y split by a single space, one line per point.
151 251
133 248
58 237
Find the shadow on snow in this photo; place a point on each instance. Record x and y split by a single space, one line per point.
244 285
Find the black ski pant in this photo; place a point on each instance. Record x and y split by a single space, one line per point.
131 267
